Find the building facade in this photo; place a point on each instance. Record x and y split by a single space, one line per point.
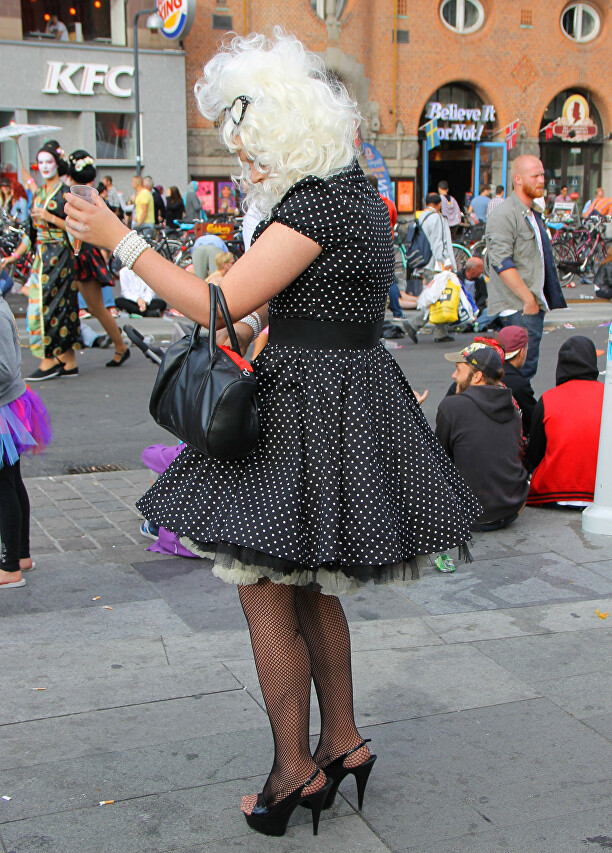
475 66
85 85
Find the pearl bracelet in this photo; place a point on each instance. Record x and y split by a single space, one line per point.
130 248
254 322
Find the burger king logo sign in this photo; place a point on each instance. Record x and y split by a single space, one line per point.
177 16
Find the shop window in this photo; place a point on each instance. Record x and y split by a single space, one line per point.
580 22
319 7
462 16
83 20
115 136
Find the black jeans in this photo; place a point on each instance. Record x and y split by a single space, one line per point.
153 309
14 518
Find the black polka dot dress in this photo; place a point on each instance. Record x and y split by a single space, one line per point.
348 484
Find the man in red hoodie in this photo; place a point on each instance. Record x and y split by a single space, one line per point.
564 436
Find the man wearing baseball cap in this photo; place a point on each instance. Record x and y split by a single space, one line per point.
514 341
480 429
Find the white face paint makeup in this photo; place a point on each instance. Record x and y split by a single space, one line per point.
46 165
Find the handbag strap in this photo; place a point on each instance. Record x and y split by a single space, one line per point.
217 301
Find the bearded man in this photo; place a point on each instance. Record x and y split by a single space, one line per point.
523 281
479 427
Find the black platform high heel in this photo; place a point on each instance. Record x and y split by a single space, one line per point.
336 772
273 820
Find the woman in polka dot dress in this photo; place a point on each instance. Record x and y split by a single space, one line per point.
348 484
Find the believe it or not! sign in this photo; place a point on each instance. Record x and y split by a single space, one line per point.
467 122
178 17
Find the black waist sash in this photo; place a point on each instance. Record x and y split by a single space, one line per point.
323 334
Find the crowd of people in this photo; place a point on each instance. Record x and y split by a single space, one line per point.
68 284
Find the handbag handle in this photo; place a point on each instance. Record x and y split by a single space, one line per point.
217 300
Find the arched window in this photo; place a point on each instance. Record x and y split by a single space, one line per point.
319 7
462 16
580 22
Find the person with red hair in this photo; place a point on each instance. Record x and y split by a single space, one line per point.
14 199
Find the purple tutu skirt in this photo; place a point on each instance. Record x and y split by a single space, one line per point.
24 427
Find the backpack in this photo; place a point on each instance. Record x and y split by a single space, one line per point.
418 250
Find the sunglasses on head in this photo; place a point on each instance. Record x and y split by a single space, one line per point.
238 109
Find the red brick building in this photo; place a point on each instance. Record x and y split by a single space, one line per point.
478 65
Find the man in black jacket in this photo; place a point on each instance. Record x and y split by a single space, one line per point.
515 340
480 430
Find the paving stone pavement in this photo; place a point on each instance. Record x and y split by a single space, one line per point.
487 694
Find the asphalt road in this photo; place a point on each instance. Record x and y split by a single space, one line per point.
102 417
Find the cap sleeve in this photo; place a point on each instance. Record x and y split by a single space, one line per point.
309 208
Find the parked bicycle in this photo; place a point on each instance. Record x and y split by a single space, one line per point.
12 232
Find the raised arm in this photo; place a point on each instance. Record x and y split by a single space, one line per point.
276 259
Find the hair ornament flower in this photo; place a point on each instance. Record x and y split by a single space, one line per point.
79 165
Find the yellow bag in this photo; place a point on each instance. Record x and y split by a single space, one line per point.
446 309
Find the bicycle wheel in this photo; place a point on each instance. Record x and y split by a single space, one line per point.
598 257
565 261
479 249
462 254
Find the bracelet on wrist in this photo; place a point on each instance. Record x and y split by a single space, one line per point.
254 322
130 248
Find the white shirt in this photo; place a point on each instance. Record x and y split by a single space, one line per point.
133 287
250 222
61 29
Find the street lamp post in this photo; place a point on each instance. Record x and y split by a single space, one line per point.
153 23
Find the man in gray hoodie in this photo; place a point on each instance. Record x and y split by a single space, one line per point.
480 429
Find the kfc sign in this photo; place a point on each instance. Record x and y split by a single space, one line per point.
76 78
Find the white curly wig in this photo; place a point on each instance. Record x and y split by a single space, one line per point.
300 122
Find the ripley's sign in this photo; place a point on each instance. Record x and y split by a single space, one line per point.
468 122
61 77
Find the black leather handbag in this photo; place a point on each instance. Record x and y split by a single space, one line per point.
205 394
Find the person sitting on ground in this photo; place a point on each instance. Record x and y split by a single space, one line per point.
564 435
224 262
474 285
204 253
137 297
514 341
603 278
480 430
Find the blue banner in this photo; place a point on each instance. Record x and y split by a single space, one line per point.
378 167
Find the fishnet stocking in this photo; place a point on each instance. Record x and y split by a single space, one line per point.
283 667
324 628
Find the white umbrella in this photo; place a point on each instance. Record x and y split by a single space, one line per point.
15 131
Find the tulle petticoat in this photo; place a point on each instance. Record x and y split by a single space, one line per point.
238 565
25 427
